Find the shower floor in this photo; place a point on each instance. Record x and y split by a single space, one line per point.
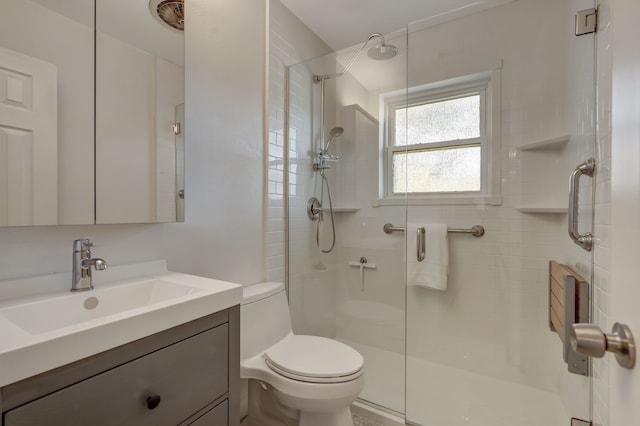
384 376
439 395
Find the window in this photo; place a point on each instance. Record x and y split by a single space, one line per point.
438 142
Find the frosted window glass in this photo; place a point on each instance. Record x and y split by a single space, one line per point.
448 120
442 170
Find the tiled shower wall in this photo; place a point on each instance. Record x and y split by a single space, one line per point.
290 42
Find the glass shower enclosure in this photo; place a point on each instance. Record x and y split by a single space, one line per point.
473 126
344 274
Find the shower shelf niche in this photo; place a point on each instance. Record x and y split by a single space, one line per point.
553 202
558 142
542 210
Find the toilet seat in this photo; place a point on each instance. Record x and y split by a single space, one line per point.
314 359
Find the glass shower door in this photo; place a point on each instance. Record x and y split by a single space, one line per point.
480 351
345 274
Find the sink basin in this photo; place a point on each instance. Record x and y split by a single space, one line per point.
44 326
76 309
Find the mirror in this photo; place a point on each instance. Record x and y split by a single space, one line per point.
81 144
139 111
46 112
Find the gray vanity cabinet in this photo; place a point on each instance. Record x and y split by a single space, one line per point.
187 375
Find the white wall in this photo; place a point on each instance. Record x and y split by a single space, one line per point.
222 235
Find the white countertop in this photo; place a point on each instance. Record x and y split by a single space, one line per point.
26 353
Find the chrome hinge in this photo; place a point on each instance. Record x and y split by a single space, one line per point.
176 128
578 422
586 22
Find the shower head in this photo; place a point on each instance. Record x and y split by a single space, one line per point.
382 52
168 12
334 133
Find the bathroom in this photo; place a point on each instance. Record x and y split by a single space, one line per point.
237 232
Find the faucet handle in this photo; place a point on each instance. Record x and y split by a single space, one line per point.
82 244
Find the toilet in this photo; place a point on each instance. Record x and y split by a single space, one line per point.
294 379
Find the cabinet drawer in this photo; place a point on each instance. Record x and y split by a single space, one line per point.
186 376
215 417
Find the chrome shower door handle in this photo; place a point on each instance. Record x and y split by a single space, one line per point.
420 242
587 168
589 339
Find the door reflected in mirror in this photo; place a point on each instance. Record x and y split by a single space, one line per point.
46 112
139 96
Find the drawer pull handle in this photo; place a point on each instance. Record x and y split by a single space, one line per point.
153 401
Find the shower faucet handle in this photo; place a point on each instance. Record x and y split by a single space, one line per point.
314 208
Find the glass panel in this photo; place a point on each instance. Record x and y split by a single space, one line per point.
478 351
447 120
437 170
479 348
346 285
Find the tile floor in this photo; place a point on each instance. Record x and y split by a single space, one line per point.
359 420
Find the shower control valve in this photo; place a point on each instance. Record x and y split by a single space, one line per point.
314 208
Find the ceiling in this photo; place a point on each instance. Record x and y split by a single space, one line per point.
342 23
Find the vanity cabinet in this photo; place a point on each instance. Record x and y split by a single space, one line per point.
187 375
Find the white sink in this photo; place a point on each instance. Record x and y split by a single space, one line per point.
78 309
43 325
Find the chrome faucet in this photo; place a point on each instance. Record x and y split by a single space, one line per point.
81 279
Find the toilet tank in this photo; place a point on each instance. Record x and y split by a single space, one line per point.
264 318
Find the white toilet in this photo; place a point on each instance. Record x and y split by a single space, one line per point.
313 379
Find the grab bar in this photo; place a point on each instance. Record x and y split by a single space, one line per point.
587 168
476 230
421 244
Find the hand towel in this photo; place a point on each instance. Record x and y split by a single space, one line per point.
433 271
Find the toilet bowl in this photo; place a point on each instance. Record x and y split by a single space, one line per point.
315 377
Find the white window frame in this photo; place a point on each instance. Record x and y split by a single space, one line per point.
487 84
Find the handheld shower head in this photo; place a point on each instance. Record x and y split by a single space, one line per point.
334 133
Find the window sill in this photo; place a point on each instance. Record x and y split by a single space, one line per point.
483 200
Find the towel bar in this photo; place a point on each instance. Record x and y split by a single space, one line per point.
476 230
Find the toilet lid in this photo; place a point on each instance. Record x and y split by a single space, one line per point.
314 359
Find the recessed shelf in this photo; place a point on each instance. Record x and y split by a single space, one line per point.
552 143
345 209
543 210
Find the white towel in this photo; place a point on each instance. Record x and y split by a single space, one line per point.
433 271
